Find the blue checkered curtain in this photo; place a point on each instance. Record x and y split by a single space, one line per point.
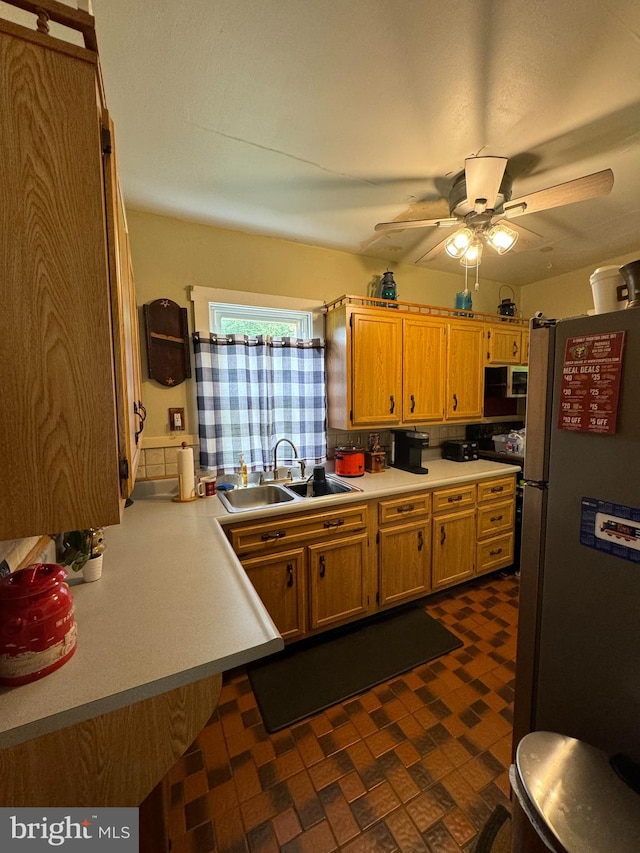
253 391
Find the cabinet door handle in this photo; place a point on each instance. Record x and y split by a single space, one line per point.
413 404
495 553
138 412
496 518
267 536
392 404
323 568
289 574
455 402
420 540
515 348
337 523
406 508
495 489
443 534
454 498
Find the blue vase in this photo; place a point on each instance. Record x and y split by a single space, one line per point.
463 303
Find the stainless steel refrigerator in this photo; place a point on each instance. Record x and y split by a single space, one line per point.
578 656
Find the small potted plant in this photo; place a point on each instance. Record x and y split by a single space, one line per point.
83 550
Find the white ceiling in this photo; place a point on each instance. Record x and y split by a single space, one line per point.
312 120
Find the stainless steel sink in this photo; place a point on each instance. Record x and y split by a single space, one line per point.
254 497
334 487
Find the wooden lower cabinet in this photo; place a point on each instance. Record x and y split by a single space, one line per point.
280 581
314 570
337 580
404 562
454 545
321 579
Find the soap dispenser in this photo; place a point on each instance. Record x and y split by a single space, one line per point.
243 476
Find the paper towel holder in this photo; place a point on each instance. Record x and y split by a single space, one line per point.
178 498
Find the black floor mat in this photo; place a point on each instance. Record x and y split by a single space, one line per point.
307 677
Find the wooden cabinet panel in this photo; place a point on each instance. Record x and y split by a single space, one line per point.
263 536
404 555
456 497
454 546
407 506
465 374
279 580
377 370
338 580
496 553
130 410
423 370
504 344
501 487
495 518
524 349
59 453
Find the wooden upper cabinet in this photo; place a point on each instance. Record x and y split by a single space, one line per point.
376 368
131 413
504 344
524 349
423 366
60 448
465 375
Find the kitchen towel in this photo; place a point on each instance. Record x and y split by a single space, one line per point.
186 474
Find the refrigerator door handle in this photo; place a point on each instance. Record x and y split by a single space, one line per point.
536 484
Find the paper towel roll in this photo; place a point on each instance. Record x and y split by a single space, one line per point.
186 473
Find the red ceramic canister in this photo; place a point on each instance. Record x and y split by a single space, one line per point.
37 625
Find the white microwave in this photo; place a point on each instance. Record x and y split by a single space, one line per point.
507 381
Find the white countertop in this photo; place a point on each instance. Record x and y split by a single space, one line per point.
174 604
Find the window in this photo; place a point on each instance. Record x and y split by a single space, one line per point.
259 377
252 320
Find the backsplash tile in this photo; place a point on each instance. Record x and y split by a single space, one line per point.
157 463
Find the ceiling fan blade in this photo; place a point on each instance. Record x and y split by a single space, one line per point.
432 253
581 189
401 224
483 176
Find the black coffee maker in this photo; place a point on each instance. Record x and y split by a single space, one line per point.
408 447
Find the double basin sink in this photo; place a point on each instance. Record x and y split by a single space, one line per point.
273 494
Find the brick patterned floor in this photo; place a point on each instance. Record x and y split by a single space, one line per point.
415 764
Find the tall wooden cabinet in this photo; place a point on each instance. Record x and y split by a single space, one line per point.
69 355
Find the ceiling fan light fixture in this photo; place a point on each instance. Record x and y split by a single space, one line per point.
473 254
501 238
458 243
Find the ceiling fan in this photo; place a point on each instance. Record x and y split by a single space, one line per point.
480 204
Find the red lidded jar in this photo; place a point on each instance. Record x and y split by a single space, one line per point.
37 627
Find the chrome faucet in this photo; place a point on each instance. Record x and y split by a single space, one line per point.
275 457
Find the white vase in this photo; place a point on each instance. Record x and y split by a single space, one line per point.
92 569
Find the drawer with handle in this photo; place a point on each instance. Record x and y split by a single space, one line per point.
295 529
490 490
495 518
404 507
457 497
494 553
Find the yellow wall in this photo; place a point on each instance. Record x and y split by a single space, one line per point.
565 295
169 255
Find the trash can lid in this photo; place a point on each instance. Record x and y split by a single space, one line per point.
578 795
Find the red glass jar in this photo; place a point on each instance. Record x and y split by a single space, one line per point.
37 627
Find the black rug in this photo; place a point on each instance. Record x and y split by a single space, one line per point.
313 675
495 836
